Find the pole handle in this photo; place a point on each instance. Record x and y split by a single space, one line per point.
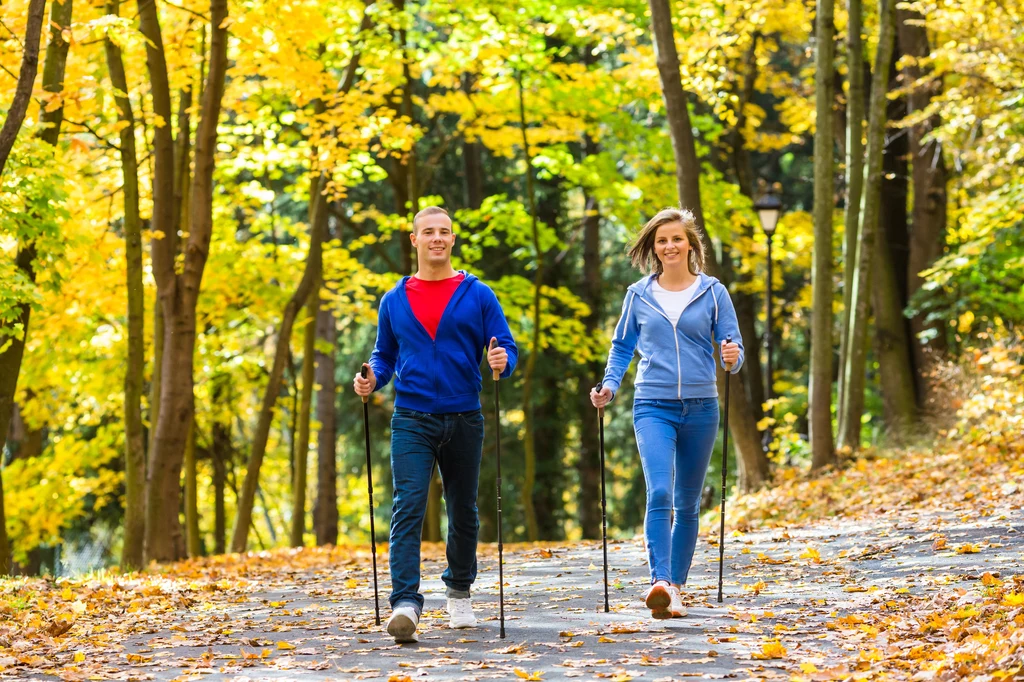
495 374
362 373
598 388
728 365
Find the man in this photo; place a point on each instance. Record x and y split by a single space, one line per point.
431 331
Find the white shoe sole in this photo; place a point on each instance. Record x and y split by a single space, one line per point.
462 625
403 629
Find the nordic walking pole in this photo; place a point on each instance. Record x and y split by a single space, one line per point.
369 490
725 463
604 504
496 375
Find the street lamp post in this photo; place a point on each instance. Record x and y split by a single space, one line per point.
769 207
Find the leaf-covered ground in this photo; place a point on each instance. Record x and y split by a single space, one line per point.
921 576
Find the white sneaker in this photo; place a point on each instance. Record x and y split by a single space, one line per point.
402 624
658 599
461 613
675 606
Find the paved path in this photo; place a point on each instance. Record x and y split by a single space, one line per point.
311 617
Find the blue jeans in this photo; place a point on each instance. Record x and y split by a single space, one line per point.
675 438
455 442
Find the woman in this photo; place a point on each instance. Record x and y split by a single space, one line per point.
674 316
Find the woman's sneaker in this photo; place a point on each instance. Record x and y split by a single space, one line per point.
402 624
460 613
676 607
659 599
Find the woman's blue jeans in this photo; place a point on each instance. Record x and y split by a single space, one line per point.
675 438
454 441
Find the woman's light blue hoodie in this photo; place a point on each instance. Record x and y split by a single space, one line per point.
676 361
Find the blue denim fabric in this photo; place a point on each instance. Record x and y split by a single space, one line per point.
675 438
454 441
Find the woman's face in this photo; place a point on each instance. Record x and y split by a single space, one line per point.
671 246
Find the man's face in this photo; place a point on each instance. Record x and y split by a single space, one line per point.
433 239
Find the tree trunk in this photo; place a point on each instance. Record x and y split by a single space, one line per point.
746 303
154 387
820 389
751 459
220 457
310 276
325 512
179 292
472 159
849 429
588 467
305 412
891 345
550 417
529 447
22 95
928 226
194 542
53 83
135 453
895 186
168 414
867 234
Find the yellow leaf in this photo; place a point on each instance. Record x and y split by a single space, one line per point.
622 677
990 580
625 629
967 548
808 668
55 103
756 588
812 554
285 645
1013 599
965 322
769 650
523 675
606 640
67 594
79 657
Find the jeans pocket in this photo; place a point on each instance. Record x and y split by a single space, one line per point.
474 418
406 413
709 403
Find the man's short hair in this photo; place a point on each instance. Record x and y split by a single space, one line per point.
429 210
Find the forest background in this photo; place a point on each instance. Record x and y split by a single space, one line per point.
202 202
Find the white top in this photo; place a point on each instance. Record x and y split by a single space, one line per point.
674 302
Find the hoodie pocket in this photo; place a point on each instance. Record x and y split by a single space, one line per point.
413 374
643 371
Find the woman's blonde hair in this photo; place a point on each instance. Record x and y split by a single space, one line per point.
642 255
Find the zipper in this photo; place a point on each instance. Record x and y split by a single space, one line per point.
675 337
437 332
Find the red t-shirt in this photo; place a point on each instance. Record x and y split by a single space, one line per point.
429 298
